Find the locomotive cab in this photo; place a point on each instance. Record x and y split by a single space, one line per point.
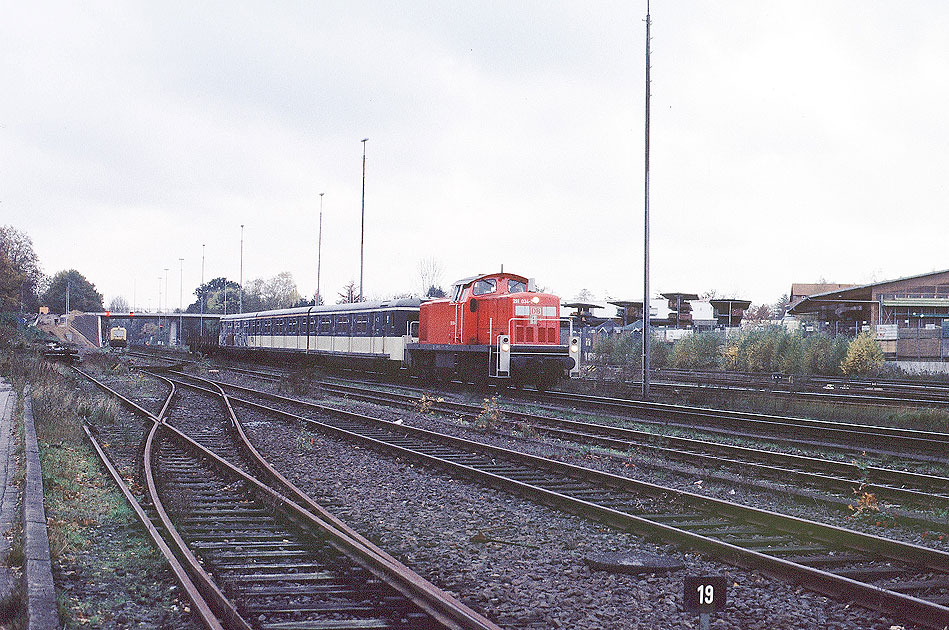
494 326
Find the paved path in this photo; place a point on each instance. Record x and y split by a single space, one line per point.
42 613
9 515
40 604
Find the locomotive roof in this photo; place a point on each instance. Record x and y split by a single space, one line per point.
400 303
505 274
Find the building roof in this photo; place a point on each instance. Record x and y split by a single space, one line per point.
848 293
684 296
803 290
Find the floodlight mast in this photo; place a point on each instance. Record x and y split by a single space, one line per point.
646 331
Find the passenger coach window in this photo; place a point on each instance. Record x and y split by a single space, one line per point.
516 286
485 286
361 324
325 325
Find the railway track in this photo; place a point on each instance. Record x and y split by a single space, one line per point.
825 389
905 580
851 439
254 558
900 487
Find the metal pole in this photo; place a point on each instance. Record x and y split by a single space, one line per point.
646 331
166 302
319 251
201 325
240 281
181 304
362 231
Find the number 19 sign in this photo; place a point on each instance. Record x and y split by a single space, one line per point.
704 594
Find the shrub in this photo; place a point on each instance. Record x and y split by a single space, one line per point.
700 350
864 356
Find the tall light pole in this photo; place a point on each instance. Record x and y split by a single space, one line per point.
159 308
181 305
646 331
166 304
319 251
362 231
201 320
240 281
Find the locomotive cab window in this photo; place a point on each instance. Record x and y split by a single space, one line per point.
482 287
516 286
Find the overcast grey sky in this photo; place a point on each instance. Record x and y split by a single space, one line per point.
790 141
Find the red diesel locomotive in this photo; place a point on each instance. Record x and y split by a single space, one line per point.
492 327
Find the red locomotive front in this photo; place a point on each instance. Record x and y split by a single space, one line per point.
494 325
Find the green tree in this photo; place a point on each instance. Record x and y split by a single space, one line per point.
698 351
82 293
279 292
864 356
21 280
626 350
214 293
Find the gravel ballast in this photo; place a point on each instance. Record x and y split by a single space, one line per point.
535 576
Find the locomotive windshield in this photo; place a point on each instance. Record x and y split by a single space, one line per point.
516 286
485 286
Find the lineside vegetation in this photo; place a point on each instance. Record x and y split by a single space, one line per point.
764 349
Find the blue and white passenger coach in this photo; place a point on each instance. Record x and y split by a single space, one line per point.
364 332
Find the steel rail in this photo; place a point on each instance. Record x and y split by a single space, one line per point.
925 391
449 611
911 441
818 471
194 590
200 605
918 610
221 605
795 430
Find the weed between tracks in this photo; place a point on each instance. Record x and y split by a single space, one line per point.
302 381
106 572
490 416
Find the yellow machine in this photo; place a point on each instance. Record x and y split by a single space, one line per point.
117 337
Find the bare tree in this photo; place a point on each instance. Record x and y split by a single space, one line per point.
430 276
585 295
349 294
119 305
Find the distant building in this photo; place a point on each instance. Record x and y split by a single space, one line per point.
729 311
681 309
799 291
909 316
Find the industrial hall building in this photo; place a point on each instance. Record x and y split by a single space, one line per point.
909 316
